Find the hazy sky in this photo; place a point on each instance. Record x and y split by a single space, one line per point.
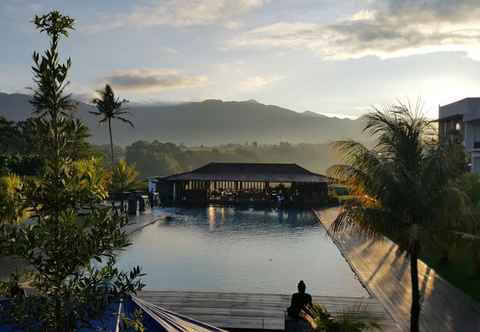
326 56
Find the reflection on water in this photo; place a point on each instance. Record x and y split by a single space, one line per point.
243 250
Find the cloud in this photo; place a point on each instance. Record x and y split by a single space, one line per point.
182 13
259 81
387 28
145 80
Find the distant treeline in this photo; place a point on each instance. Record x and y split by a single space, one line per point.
19 147
157 159
18 153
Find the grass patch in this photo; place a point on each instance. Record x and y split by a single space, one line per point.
460 271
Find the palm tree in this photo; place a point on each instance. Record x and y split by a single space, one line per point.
110 108
403 185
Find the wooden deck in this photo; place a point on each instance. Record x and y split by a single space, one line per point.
385 272
251 311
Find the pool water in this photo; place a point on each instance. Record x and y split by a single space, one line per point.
241 250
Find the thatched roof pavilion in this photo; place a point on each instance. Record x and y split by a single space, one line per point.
244 182
262 172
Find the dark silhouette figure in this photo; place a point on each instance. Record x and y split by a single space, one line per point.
300 301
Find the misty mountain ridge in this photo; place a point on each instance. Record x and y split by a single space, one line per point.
209 122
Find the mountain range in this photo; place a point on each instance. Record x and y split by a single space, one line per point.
210 122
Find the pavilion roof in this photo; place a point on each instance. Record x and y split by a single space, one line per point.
265 172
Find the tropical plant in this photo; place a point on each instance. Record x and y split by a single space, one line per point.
70 227
404 185
124 177
12 200
471 184
110 107
354 319
471 239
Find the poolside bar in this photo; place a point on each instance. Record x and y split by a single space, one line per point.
250 183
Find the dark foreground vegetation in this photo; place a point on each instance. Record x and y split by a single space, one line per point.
411 188
53 219
456 257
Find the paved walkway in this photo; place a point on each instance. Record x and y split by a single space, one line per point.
385 272
252 311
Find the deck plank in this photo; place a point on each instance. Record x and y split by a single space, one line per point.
250 310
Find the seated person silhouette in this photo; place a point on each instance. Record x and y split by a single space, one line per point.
301 302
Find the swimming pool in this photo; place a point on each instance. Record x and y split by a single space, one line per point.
241 250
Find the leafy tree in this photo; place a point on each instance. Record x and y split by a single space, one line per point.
29 138
21 164
157 158
471 184
10 139
70 227
154 158
404 185
12 200
124 177
110 107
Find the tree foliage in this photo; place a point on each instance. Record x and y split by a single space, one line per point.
124 177
17 154
70 228
13 208
9 136
405 185
354 319
157 158
21 145
110 107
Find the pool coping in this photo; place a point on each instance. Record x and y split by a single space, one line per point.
363 282
136 223
337 243
444 307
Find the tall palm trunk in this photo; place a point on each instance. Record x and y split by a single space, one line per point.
111 152
415 308
111 140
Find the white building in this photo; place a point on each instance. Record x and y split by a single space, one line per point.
461 120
